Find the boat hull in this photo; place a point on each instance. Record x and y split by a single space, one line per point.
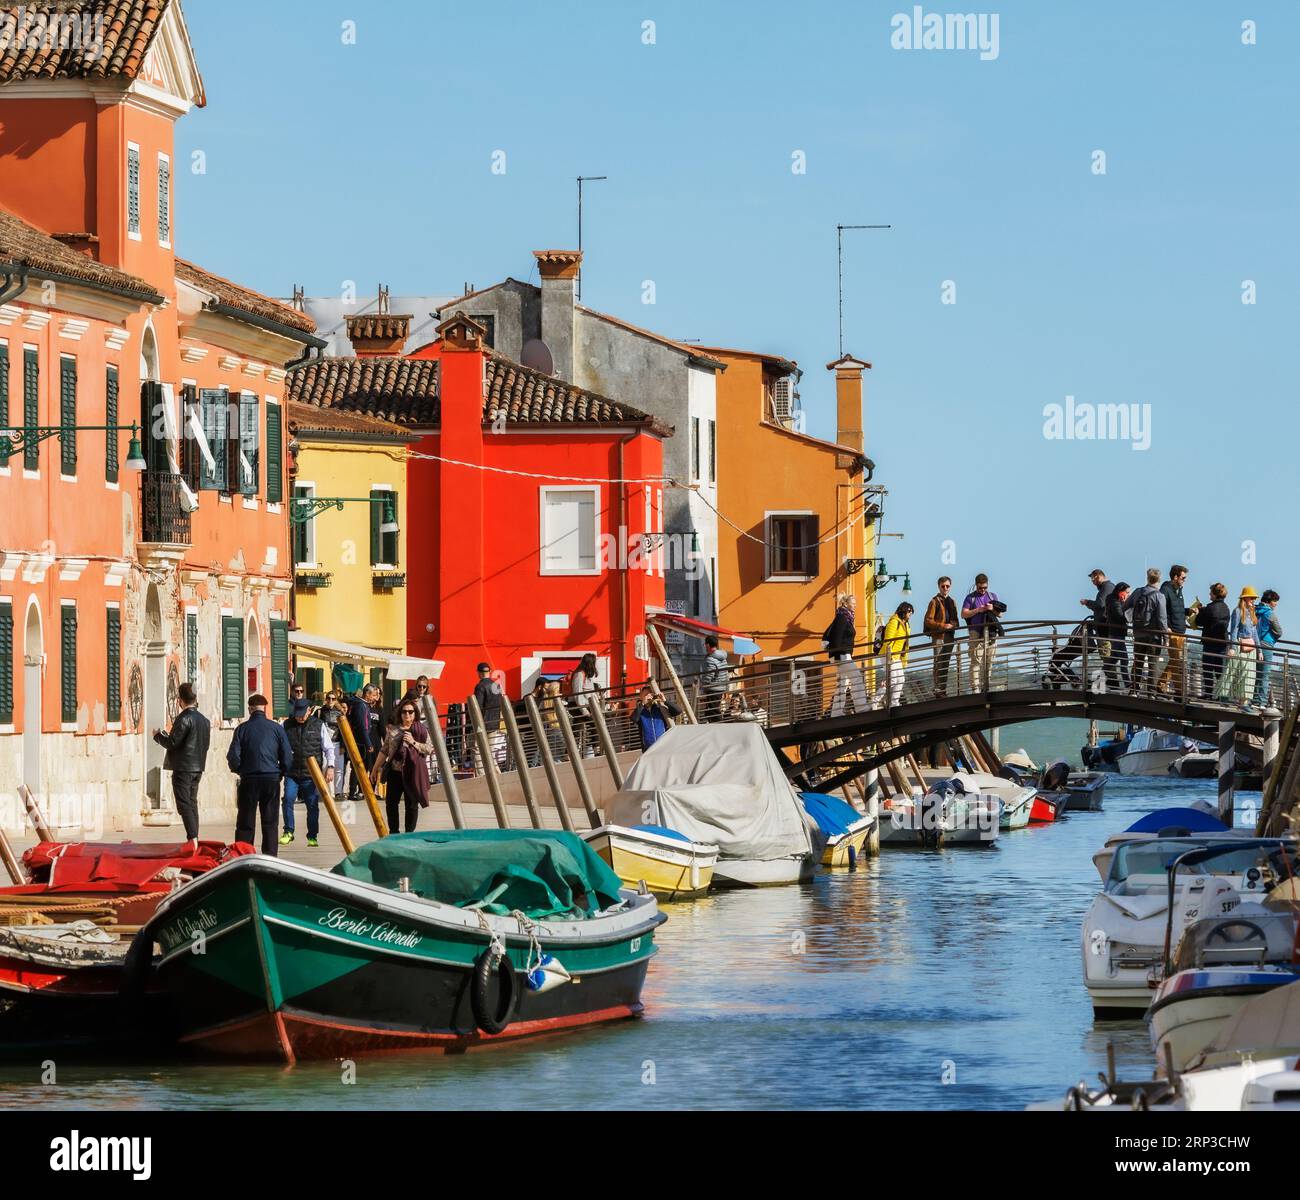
1147 762
1192 1007
1085 791
297 963
1047 807
845 849
773 872
957 823
670 869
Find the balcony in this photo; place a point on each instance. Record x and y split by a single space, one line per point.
164 520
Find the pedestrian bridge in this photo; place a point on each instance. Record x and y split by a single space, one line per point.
1036 671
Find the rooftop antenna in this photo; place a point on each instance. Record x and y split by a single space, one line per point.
839 245
581 180
299 298
383 299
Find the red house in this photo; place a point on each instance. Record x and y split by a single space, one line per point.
528 508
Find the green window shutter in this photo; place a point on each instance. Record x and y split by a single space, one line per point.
68 414
68 663
315 680
376 538
299 531
191 646
4 404
248 445
153 434
6 663
31 408
114 664
233 682
280 668
274 454
110 418
391 540
214 407
191 456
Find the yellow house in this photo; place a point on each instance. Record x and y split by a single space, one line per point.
349 577
800 512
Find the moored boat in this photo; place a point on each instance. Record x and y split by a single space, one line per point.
1150 752
842 830
671 865
441 940
1084 790
945 816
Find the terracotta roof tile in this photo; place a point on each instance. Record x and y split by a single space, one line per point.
27 51
245 299
26 245
383 327
335 420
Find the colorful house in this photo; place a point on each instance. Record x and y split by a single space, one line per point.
115 584
801 528
529 501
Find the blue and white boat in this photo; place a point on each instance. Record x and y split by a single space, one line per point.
842 831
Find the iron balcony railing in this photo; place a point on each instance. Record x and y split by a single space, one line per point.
163 516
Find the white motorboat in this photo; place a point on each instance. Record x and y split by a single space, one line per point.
671 865
1151 751
1017 798
947 815
722 785
1124 931
1201 763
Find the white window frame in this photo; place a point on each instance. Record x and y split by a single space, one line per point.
64 356
713 450
134 235
379 566
165 243
768 514
309 526
542 494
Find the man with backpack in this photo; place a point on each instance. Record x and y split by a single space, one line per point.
1150 610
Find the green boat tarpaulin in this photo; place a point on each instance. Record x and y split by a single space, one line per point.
541 873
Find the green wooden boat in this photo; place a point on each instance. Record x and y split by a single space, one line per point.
440 940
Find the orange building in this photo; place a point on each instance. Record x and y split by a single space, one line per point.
798 513
118 584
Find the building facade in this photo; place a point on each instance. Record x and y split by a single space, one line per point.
115 584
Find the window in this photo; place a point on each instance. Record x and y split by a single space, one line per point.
249 441
792 545
274 441
232 668
6 662
68 663
154 423
133 190
383 546
304 532
110 418
164 200
695 449
280 668
214 418
569 532
4 402
31 407
191 646
114 691
713 452
68 415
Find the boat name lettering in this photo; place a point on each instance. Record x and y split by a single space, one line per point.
382 931
184 928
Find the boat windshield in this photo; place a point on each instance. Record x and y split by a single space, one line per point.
1155 858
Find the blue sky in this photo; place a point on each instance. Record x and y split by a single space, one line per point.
373 163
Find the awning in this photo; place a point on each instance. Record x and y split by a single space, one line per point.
740 644
398 666
559 666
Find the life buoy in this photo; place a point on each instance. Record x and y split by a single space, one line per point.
508 992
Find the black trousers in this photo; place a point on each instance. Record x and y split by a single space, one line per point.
1212 657
258 795
185 788
395 798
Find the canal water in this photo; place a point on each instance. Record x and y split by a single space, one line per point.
921 980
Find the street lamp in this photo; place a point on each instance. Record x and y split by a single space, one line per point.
304 508
16 438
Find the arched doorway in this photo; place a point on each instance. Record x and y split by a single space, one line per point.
33 672
253 655
149 356
154 651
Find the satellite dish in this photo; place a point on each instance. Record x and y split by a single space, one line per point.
537 357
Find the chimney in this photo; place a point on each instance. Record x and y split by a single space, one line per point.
381 333
848 400
559 270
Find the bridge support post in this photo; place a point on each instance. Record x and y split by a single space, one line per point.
873 810
1272 743
1227 767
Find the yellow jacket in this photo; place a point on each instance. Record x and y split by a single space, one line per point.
897 633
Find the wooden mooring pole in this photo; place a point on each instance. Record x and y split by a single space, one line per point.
363 778
548 761
606 742
516 742
12 869
657 642
446 772
575 761
1227 767
34 814
488 761
331 809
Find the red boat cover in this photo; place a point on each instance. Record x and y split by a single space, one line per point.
118 866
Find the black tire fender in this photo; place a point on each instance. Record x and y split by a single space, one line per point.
484 967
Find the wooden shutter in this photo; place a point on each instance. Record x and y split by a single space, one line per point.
231 418
248 444
274 454
4 404
391 540
6 663
298 530
68 663
191 455
213 404
811 530
154 427
376 538
110 418
132 190
280 668
31 408
233 683
191 646
68 414
114 665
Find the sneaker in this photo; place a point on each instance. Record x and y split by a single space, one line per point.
312 842
286 837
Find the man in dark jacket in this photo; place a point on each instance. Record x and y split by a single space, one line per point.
1171 678
261 756
1212 621
187 756
1150 624
653 716
306 741
1098 606
360 712
941 625
1112 639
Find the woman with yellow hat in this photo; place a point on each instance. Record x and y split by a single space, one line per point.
1243 650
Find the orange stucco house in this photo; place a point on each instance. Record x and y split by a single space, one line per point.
118 584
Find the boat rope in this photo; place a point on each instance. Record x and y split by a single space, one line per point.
496 946
534 943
